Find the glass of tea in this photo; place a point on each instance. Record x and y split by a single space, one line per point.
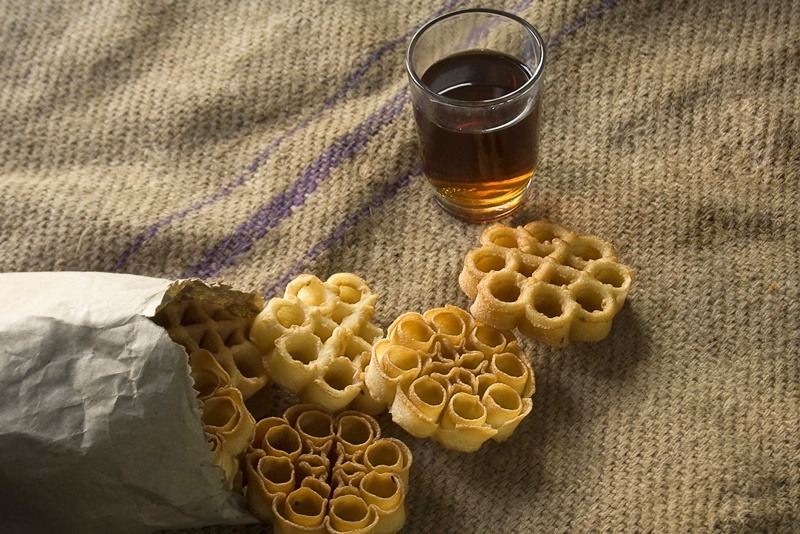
476 83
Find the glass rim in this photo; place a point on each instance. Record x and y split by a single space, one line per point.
476 103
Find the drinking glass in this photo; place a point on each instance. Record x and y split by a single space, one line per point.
476 82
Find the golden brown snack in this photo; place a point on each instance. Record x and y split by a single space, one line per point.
231 427
312 472
203 324
207 373
212 324
447 376
556 286
317 340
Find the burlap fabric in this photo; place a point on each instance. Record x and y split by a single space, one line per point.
254 141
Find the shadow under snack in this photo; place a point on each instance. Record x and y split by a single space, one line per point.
617 356
557 427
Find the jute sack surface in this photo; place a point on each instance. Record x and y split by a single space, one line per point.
254 141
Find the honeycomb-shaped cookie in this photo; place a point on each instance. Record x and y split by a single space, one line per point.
313 473
318 339
199 324
556 286
447 376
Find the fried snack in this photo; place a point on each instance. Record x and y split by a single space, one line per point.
231 429
309 472
318 339
447 376
208 375
209 326
212 324
556 286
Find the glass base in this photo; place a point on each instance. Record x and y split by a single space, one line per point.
480 214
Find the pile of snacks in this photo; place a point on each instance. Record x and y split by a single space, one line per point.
318 340
226 367
226 421
447 376
556 286
313 473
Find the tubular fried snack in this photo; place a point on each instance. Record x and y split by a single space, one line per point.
553 284
208 375
317 339
231 428
447 376
311 472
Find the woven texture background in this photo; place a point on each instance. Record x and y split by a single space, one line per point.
254 141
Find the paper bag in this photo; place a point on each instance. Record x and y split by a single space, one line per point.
99 425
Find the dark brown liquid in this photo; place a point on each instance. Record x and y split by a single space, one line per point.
479 169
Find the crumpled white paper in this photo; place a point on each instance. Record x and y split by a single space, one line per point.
99 426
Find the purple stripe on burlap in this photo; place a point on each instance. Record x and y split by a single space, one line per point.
350 83
226 252
391 190
346 146
345 226
388 46
580 21
223 192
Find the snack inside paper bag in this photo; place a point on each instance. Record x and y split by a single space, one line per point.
100 427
